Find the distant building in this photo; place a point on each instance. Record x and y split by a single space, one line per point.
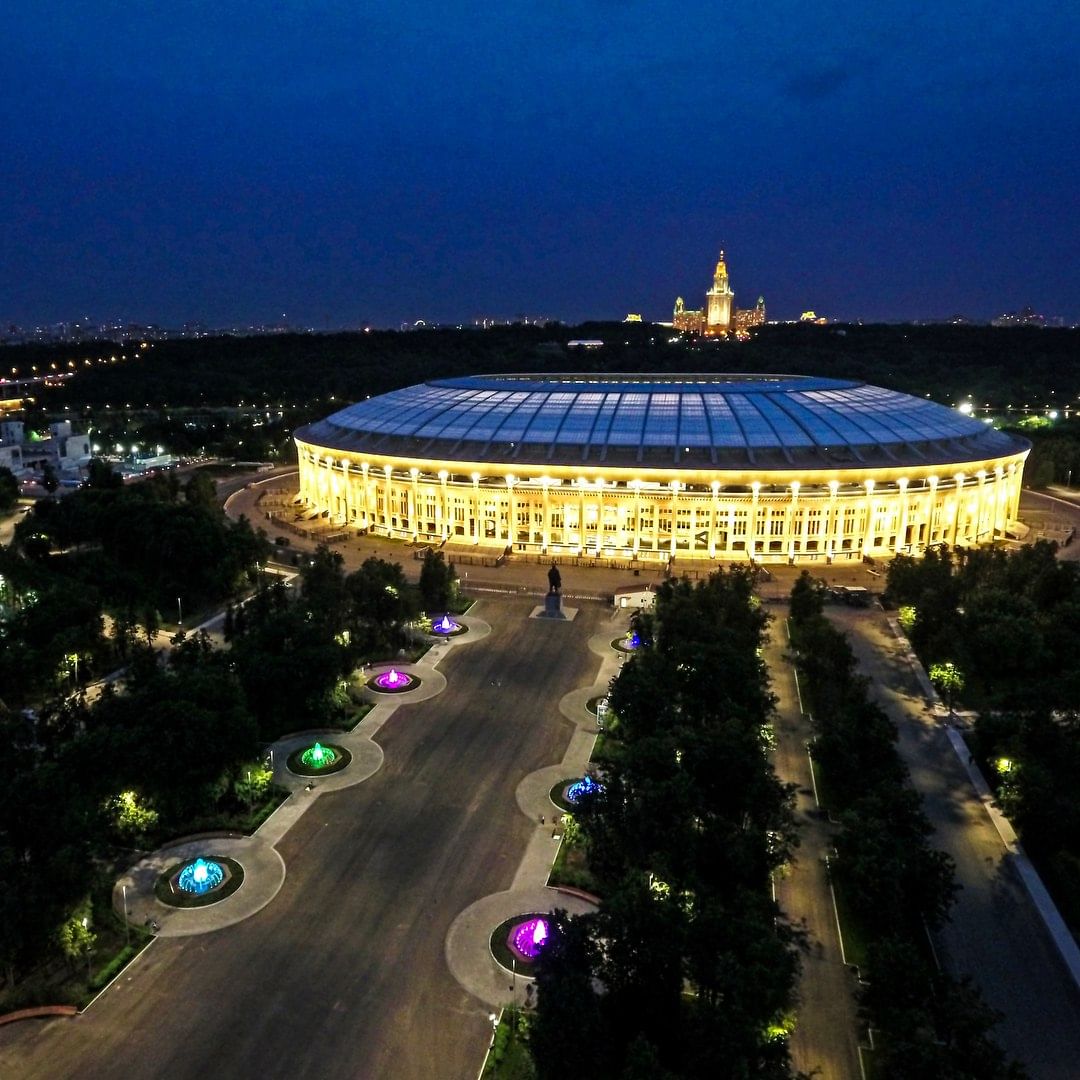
1027 316
719 316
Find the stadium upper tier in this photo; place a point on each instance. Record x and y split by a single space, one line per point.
687 421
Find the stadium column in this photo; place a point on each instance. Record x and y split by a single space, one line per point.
791 519
751 526
475 531
980 507
832 522
442 510
931 509
1000 520
387 492
1015 474
868 520
347 492
901 530
714 513
958 499
656 526
581 515
546 533
674 514
601 532
363 514
414 501
510 523
636 485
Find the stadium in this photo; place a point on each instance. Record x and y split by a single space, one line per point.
643 468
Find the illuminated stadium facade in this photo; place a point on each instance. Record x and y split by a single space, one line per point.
654 467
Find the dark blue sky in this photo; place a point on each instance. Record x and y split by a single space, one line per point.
342 161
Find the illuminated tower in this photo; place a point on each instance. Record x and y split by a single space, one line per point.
718 301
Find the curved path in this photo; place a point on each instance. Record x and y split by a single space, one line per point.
264 874
469 937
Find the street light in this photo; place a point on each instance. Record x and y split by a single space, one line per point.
86 924
127 924
179 613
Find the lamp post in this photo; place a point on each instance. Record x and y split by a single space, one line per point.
179 613
86 924
127 924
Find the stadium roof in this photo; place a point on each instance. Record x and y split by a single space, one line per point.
689 421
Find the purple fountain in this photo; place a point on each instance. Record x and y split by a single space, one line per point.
394 680
527 939
445 625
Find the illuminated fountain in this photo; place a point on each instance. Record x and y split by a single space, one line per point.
629 642
318 757
200 877
394 682
527 939
585 786
446 626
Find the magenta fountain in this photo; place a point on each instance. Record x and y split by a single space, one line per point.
394 680
528 938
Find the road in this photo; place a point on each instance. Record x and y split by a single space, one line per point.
343 974
825 1041
995 934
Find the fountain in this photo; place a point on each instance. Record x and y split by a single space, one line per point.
318 757
585 786
527 939
394 682
445 626
200 876
629 642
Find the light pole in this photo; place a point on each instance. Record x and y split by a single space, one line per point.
179 613
127 925
86 924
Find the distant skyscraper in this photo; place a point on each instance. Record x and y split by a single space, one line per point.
719 317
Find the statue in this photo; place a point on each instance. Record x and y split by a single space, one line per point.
554 578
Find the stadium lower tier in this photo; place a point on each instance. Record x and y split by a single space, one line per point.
654 517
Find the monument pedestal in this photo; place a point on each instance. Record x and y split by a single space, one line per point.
553 606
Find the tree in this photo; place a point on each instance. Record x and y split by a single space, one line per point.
949 680
49 480
438 582
201 491
9 490
100 475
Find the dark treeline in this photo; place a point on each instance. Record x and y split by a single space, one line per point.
688 969
1014 366
897 887
1011 624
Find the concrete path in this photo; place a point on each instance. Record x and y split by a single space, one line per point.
995 934
264 874
825 1040
468 943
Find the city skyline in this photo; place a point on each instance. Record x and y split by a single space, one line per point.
346 169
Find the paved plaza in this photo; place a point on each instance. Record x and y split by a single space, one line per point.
345 972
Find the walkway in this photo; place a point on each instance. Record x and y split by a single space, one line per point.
825 1040
996 934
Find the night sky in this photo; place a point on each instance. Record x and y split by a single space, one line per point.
347 162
